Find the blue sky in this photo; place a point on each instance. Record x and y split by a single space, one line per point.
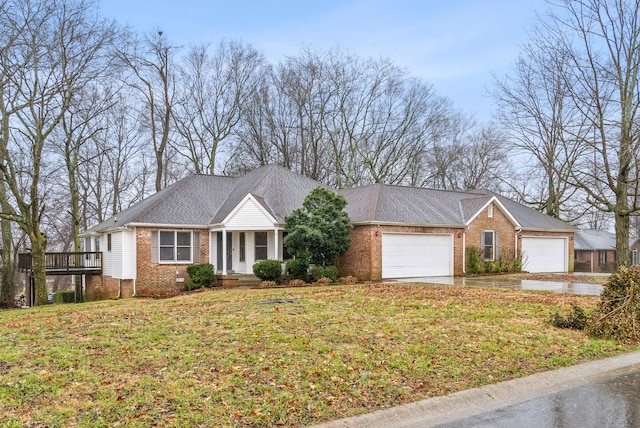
454 44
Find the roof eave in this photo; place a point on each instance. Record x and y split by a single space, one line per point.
397 223
534 229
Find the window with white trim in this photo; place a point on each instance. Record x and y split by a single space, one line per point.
175 246
490 211
260 243
489 245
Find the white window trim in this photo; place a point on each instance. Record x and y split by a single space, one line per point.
255 245
493 246
175 247
490 211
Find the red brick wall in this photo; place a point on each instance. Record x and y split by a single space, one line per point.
586 257
499 223
100 288
155 279
364 257
106 287
357 261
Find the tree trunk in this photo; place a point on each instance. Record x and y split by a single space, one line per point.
7 289
75 219
38 265
622 228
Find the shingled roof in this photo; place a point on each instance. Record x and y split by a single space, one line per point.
381 203
205 200
592 239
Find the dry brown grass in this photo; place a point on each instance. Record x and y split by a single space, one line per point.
218 358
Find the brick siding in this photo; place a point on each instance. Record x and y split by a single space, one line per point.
153 279
364 257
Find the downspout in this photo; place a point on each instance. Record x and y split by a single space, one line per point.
119 288
134 288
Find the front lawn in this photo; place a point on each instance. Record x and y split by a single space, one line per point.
219 358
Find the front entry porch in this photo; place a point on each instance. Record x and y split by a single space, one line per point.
236 251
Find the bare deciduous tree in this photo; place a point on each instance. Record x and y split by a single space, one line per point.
537 112
55 47
214 87
152 62
598 45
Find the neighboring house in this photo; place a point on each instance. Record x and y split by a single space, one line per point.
595 251
634 248
234 222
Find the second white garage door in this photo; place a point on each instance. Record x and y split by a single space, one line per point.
542 254
408 255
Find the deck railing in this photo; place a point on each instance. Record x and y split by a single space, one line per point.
65 263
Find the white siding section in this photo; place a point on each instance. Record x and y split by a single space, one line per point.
129 254
116 254
249 216
107 257
120 262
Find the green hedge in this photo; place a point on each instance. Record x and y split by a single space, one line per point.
64 297
268 270
330 272
298 268
202 275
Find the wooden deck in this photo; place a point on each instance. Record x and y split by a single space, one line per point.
81 263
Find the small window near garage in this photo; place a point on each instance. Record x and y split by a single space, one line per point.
260 245
175 246
487 244
108 242
602 257
490 211
243 247
634 258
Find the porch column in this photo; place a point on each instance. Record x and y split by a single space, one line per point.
276 255
224 252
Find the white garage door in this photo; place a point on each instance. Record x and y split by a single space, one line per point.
540 254
407 255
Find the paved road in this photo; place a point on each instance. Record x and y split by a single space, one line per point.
601 393
612 402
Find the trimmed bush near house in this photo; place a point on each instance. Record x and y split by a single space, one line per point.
268 270
473 254
202 275
298 269
64 297
330 272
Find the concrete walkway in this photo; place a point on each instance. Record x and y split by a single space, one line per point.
464 404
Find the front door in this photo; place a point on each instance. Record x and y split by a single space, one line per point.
229 251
